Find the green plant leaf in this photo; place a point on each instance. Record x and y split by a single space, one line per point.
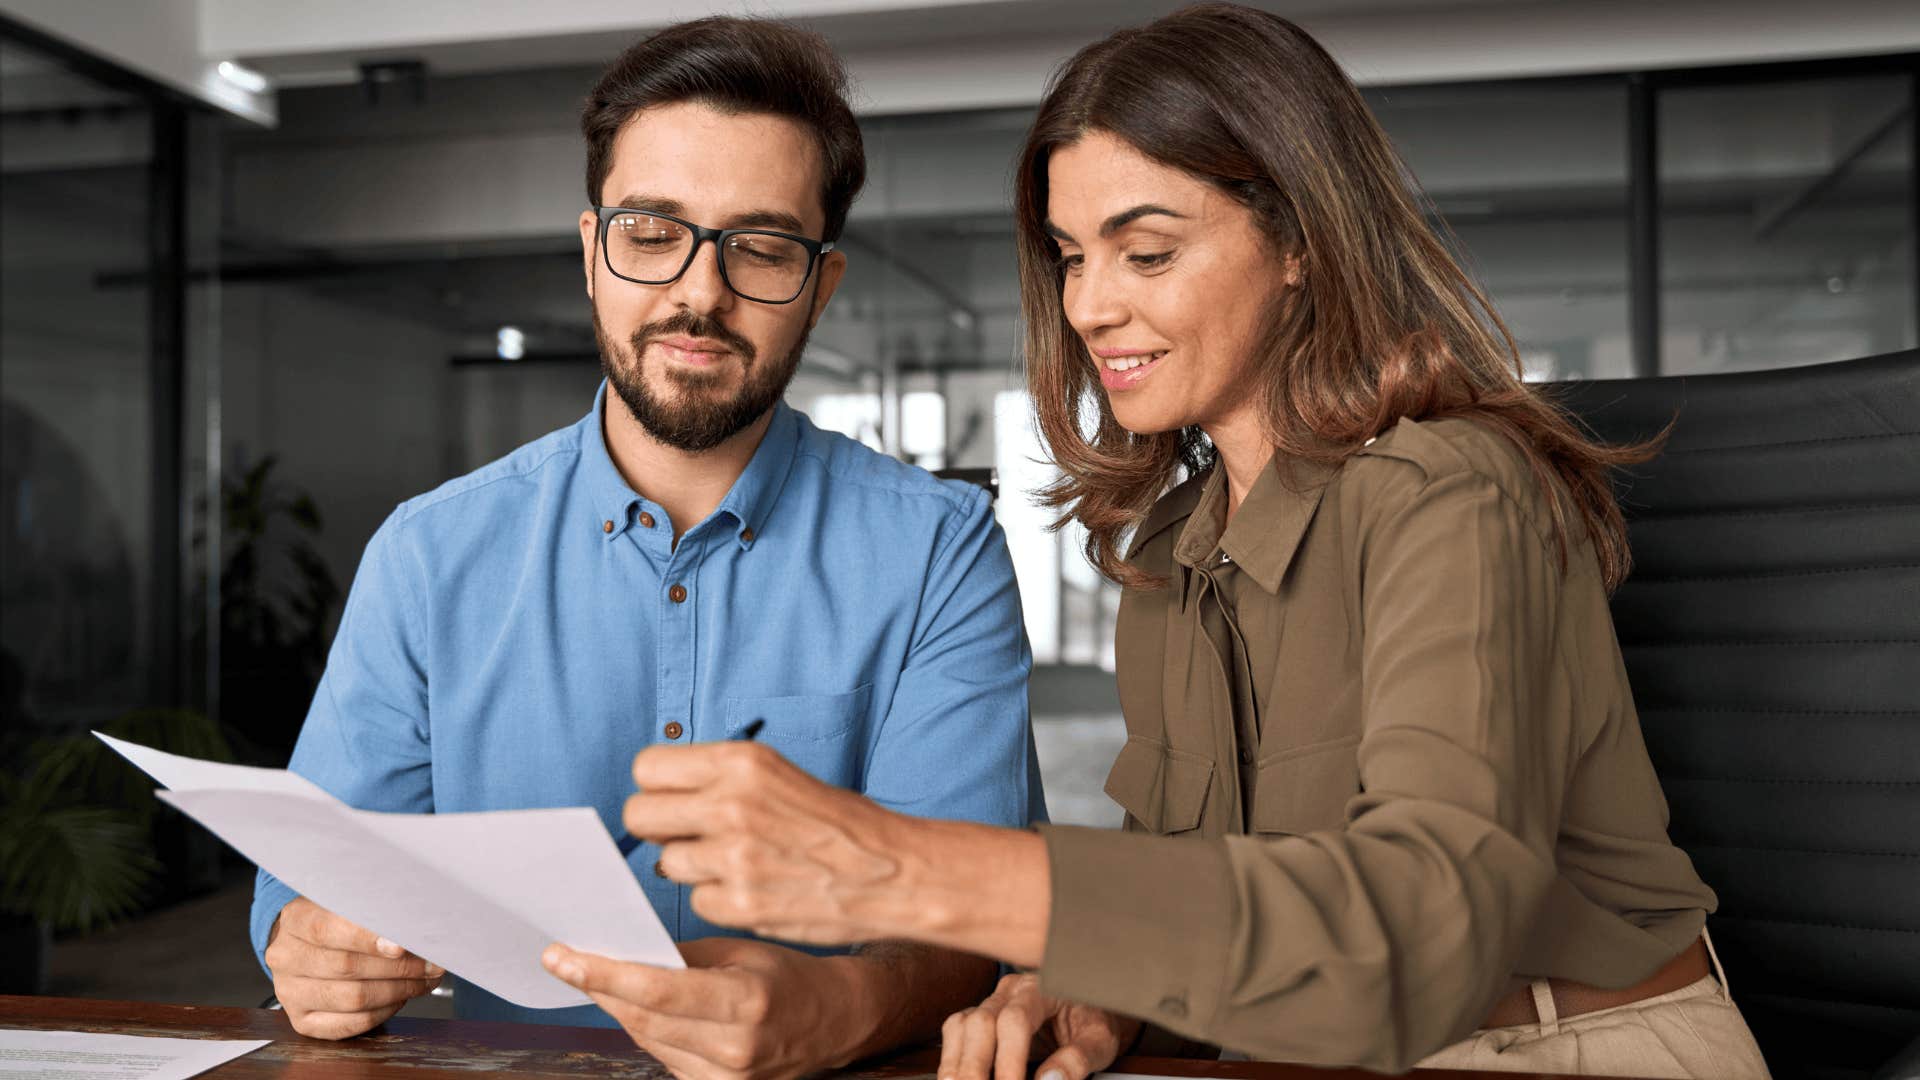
305 512
177 731
79 769
75 867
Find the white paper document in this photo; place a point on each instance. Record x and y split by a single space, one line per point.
83 1055
480 894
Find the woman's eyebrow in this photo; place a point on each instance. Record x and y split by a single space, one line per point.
1118 221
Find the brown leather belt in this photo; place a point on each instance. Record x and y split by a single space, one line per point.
1572 999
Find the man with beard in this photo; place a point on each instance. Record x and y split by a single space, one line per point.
692 559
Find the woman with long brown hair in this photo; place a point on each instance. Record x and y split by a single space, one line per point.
1387 798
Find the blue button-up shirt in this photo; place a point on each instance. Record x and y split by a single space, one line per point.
514 637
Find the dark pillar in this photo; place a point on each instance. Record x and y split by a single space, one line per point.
1643 223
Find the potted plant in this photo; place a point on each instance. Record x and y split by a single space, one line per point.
78 833
276 599
66 866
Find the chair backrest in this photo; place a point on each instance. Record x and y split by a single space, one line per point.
985 478
1771 629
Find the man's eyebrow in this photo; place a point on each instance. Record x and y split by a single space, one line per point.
766 219
1118 221
751 219
659 204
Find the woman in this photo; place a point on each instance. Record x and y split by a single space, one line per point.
1376 713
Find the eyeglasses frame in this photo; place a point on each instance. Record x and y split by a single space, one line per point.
702 234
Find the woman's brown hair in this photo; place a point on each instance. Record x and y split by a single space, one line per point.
1384 325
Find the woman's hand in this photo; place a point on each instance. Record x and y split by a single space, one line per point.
765 846
768 848
994 1039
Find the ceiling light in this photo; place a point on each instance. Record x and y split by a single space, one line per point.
510 343
243 77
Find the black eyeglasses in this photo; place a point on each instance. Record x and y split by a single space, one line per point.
647 247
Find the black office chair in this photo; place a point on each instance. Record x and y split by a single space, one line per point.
984 478
1771 629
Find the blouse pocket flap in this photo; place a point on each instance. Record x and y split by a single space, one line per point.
1305 788
1164 789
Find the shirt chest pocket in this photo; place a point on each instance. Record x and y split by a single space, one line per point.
821 733
1304 789
1164 789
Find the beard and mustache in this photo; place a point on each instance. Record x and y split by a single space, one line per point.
696 417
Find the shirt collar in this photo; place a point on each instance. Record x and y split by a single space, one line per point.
1265 531
749 501
1201 536
608 496
751 498
1171 509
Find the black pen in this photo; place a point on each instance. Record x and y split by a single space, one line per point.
629 843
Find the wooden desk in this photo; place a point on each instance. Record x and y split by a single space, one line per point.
416 1049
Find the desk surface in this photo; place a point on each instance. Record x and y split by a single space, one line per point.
418 1049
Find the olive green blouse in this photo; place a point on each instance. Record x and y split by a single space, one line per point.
1389 748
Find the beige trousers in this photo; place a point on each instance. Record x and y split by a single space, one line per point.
1693 1033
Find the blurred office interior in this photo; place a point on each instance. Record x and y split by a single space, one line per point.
270 269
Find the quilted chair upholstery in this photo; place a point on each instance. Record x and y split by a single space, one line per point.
1771 628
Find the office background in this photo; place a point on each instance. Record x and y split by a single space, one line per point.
269 269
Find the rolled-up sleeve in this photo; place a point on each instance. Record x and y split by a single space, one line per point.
1377 943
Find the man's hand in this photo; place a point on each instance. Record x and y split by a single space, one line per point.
742 1010
995 1038
337 980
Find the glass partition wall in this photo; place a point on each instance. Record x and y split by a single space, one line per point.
109 572
1786 220
79 571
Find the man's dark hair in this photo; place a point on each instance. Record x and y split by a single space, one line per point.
736 66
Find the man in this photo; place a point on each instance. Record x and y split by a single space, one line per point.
691 558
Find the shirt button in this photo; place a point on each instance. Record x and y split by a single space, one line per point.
659 870
1246 755
677 594
674 730
1173 1006
746 536
606 526
646 520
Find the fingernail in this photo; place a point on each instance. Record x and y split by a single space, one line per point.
572 972
1053 1074
551 957
434 970
388 948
